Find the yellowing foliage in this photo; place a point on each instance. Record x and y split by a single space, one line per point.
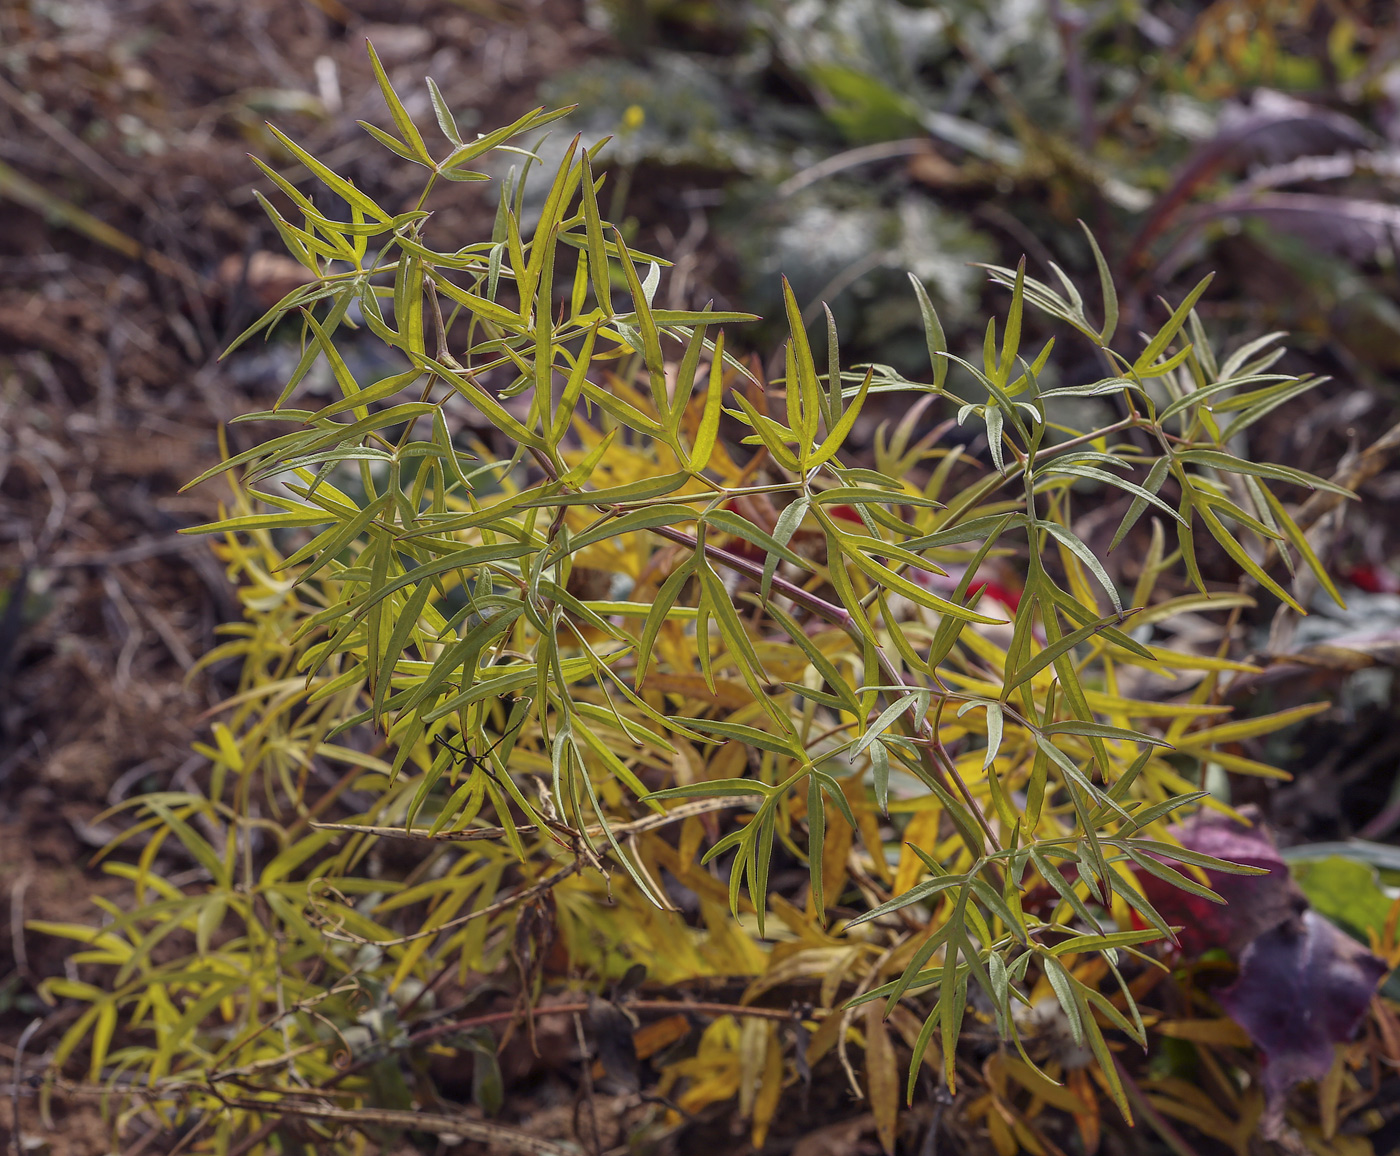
657 679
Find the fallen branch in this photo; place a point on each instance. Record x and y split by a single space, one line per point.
431 1122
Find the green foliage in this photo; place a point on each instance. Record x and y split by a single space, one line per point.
658 605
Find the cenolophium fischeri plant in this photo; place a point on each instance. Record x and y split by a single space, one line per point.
483 691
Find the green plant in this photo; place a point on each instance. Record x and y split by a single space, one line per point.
555 667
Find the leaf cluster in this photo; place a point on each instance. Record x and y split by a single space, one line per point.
575 605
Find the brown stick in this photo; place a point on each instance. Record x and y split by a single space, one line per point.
1352 473
431 1122
500 905
641 1006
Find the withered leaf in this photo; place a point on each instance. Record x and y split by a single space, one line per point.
612 1035
882 1076
770 1088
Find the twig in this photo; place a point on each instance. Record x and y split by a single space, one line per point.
145 1142
1071 30
121 184
21 885
28 1034
500 905
647 1006
636 827
1351 474
643 1007
17 187
941 1099
12 618
190 1136
848 1015
587 1087
851 158
843 280
136 552
268 1128
1168 57
838 615
430 1122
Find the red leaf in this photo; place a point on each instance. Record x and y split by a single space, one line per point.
998 593
1253 905
1372 579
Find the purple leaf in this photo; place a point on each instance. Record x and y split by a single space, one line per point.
1303 984
1346 226
1275 128
1302 988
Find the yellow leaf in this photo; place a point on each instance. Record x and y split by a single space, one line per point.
730 695
1086 1119
802 964
1212 1122
870 836
1002 1139
228 747
839 973
1329 1092
1057 1095
882 1077
692 834
824 1038
770 1089
753 1058
1223 1032
1243 766
922 832
1250 728
835 851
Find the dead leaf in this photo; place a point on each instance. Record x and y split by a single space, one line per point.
908 1025
658 1034
882 1077
753 1058
730 695
935 170
612 1032
770 1088
922 832
265 277
843 1139
1220 1032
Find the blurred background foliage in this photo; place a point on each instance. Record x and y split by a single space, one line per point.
845 142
